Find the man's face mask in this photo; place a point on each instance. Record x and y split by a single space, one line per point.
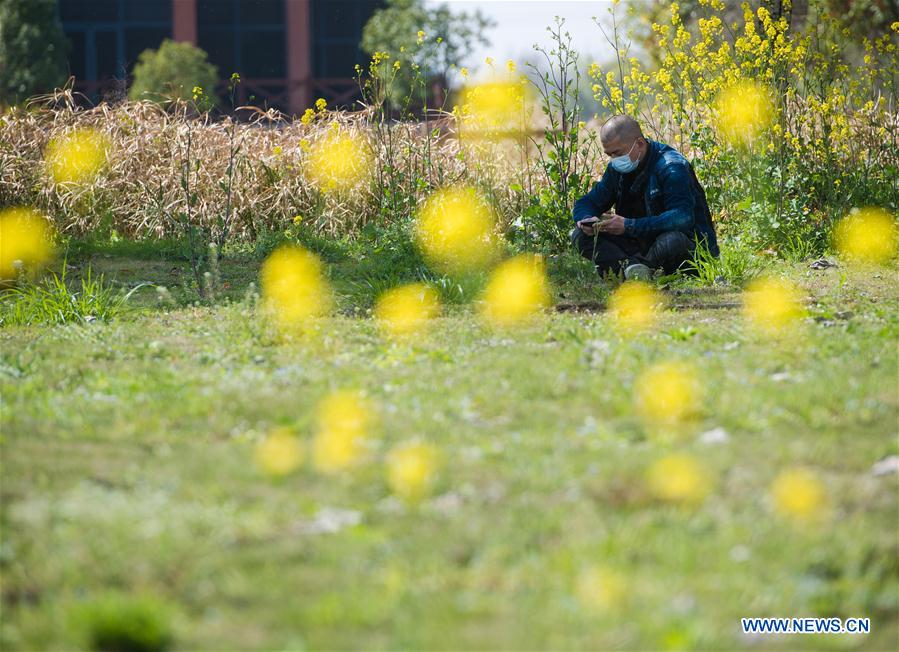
623 163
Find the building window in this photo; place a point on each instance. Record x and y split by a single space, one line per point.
244 36
107 36
337 29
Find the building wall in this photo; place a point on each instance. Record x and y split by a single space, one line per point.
287 52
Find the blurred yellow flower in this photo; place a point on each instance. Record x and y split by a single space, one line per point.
668 393
455 230
25 237
420 37
321 104
634 307
517 291
344 421
868 235
772 306
799 494
277 150
77 157
338 160
493 106
294 289
412 470
678 479
279 453
406 310
600 589
743 110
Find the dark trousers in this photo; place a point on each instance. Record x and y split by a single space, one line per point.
611 253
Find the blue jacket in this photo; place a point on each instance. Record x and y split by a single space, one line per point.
672 196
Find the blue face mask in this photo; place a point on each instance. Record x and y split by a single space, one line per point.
623 163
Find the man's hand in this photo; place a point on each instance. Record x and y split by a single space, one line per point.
613 224
588 225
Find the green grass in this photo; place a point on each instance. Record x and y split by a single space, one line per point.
735 264
127 468
53 300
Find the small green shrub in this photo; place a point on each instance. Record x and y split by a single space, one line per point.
172 71
123 623
51 301
456 290
735 264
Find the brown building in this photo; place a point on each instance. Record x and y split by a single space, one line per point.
287 52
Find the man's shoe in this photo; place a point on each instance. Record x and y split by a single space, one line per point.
637 272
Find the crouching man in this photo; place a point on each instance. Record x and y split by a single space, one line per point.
660 208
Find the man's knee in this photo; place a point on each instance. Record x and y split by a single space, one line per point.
585 244
575 234
670 251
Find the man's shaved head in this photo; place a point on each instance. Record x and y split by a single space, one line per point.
620 128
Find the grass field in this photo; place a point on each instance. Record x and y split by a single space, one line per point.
127 461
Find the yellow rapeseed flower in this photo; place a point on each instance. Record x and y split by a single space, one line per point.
493 106
516 292
668 393
338 160
455 230
868 235
25 237
412 470
772 306
294 289
406 310
678 479
601 590
800 495
344 423
743 110
279 453
634 307
77 157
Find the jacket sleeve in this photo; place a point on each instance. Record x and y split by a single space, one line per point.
598 200
678 200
